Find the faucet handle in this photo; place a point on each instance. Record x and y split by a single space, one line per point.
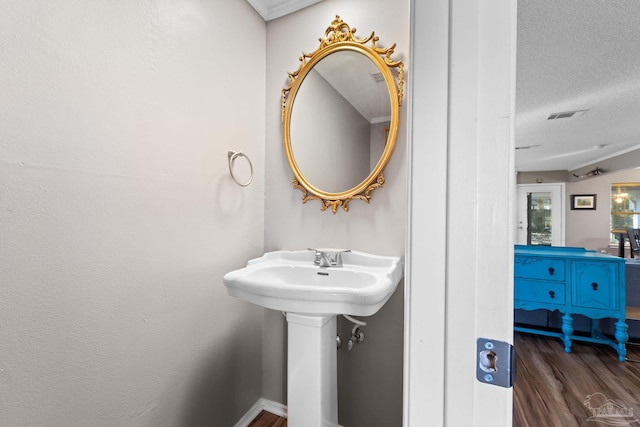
336 257
318 255
328 257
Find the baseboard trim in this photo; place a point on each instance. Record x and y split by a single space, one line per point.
262 404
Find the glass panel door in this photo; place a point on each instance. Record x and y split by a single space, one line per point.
540 215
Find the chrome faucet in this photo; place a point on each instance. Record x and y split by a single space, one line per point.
328 257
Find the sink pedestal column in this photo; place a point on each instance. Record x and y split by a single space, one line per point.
312 384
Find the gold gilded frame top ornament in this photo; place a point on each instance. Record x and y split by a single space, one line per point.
339 36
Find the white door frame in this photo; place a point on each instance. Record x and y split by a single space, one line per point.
459 262
558 212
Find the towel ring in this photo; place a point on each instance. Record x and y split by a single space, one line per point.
233 155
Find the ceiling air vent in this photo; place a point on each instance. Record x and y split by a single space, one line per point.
566 114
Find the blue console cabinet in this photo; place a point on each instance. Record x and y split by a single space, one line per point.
573 281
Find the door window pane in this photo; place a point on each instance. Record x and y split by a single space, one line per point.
539 219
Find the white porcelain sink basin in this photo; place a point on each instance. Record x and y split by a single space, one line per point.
290 281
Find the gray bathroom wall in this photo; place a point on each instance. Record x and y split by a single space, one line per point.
369 376
118 217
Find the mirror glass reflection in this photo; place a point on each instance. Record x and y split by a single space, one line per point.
340 121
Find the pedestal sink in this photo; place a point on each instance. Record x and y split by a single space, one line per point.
312 296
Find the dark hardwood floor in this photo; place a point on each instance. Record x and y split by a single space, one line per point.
552 387
267 419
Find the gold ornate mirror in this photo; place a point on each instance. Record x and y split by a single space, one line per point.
340 126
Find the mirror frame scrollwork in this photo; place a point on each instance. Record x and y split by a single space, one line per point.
339 36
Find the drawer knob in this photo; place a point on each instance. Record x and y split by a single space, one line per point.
552 294
594 286
551 271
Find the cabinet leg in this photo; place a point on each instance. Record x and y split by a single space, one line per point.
567 330
622 337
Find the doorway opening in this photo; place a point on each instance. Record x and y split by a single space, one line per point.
540 214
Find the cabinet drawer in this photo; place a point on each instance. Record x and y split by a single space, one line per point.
539 291
539 268
595 285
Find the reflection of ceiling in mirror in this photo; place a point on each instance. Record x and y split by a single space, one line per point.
360 82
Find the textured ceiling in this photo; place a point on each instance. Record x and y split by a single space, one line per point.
577 55
571 55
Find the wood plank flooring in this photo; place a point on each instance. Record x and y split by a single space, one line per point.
552 386
267 419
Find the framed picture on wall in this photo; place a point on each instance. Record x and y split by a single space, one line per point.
583 201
